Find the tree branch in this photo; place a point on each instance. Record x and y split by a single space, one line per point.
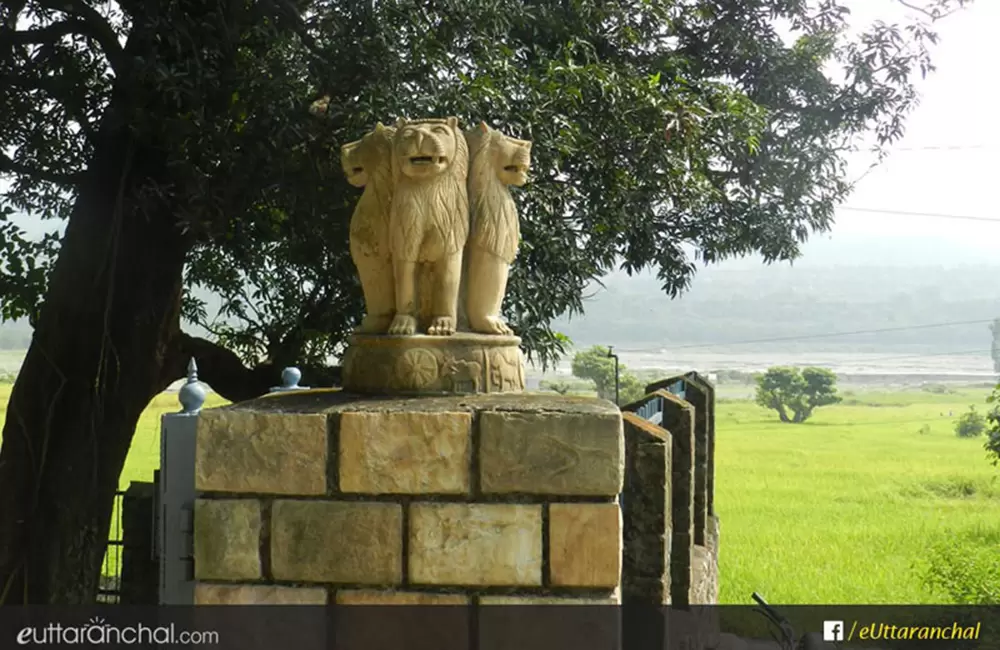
61 91
8 166
95 26
48 34
221 369
14 10
931 10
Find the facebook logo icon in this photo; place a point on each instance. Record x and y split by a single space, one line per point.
833 630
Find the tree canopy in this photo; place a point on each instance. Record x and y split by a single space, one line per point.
658 125
802 391
993 427
597 365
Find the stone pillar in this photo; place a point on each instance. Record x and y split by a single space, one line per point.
678 419
647 513
328 497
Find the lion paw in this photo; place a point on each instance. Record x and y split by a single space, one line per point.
490 325
373 324
403 324
442 326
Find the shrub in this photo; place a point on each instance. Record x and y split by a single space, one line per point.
925 430
965 571
971 424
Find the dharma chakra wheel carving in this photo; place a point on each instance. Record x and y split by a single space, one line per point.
433 236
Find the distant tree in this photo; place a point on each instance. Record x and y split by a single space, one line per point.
595 364
995 348
971 424
559 386
789 390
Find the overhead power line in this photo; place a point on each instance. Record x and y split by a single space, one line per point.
947 147
804 337
906 213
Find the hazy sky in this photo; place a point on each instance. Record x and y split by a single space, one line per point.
957 113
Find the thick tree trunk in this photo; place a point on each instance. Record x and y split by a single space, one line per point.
96 360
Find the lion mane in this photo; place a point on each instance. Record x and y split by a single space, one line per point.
429 217
495 226
369 230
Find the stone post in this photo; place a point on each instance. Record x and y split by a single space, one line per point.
327 497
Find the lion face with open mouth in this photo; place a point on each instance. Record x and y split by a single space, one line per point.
425 148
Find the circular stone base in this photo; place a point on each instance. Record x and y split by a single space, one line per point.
462 363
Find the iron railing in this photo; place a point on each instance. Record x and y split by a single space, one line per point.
111 573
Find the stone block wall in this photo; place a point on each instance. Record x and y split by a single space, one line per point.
646 502
325 497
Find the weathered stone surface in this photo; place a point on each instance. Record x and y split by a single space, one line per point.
701 576
706 574
585 544
405 453
340 401
678 419
336 541
546 600
377 597
227 539
213 594
646 513
463 363
551 453
239 451
475 544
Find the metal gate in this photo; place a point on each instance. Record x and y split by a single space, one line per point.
110 587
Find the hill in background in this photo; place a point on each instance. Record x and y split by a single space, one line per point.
845 283
840 285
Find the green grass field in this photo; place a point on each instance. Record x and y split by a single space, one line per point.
841 509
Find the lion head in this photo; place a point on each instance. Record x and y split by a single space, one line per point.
497 161
368 156
426 148
493 152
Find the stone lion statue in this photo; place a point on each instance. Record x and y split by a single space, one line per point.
367 164
496 161
428 223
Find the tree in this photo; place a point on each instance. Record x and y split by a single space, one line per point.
172 138
995 347
558 386
595 365
971 424
785 389
992 445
